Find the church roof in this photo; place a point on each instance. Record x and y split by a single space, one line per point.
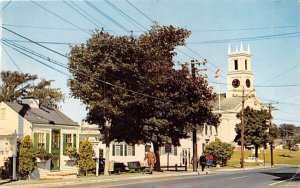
42 115
227 103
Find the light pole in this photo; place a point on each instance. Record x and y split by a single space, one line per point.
107 125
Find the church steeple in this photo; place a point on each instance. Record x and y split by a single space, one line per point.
239 74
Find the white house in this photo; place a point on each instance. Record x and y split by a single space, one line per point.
48 127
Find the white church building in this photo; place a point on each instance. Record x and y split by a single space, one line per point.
240 87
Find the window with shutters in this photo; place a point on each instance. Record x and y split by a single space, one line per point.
118 150
41 140
130 150
69 140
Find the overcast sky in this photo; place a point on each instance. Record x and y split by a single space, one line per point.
271 28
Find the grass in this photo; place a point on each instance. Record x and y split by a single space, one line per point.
280 156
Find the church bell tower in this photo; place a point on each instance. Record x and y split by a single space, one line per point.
240 75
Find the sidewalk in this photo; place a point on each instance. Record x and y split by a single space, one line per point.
87 180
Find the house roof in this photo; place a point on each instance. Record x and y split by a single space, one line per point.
42 115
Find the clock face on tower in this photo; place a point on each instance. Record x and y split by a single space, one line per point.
235 83
248 83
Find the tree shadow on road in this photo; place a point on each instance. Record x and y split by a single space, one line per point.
284 176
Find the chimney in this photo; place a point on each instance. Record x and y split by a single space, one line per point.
32 102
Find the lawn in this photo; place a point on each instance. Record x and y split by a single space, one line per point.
280 156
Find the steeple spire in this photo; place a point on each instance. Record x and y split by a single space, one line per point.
229 49
241 47
236 48
248 49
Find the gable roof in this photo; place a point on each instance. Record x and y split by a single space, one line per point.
42 115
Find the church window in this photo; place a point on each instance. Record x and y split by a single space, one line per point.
246 64
236 64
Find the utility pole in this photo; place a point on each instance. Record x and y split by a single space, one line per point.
242 128
270 126
194 133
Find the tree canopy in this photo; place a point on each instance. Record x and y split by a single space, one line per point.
16 85
256 128
132 81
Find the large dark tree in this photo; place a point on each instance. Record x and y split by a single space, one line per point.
256 128
132 82
15 85
290 134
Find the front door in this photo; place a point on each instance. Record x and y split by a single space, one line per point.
55 149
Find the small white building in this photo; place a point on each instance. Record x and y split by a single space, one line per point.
49 128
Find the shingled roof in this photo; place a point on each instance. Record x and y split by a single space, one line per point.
42 115
227 103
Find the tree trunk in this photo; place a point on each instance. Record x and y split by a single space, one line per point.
156 151
256 150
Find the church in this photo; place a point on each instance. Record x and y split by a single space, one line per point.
240 88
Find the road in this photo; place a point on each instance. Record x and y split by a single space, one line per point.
270 177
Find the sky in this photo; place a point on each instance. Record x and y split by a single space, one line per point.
270 27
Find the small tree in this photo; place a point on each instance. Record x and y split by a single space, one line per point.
27 158
221 151
86 153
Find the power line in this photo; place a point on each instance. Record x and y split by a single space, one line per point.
124 15
87 18
11 59
107 16
140 11
35 59
60 17
263 37
278 75
45 42
5 5
42 27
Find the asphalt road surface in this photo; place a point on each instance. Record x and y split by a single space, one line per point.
288 177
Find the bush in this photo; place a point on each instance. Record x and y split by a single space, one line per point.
71 152
43 154
86 153
27 158
221 151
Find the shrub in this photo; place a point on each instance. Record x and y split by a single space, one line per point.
221 151
43 154
71 152
86 153
27 158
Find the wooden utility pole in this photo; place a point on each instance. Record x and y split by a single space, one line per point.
194 133
242 128
270 126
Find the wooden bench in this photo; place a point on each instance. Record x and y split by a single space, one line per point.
135 166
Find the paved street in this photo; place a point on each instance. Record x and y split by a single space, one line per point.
262 177
275 177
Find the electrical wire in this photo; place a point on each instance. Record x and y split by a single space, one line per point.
140 11
58 16
6 5
11 59
107 16
124 15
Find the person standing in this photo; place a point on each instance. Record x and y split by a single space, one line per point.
202 162
151 160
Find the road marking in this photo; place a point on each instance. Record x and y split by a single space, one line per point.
276 183
239 177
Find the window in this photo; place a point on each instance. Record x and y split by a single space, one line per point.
2 113
55 139
246 67
236 64
69 140
41 140
130 150
116 151
169 148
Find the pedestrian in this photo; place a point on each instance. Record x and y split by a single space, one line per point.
202 162
151 159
